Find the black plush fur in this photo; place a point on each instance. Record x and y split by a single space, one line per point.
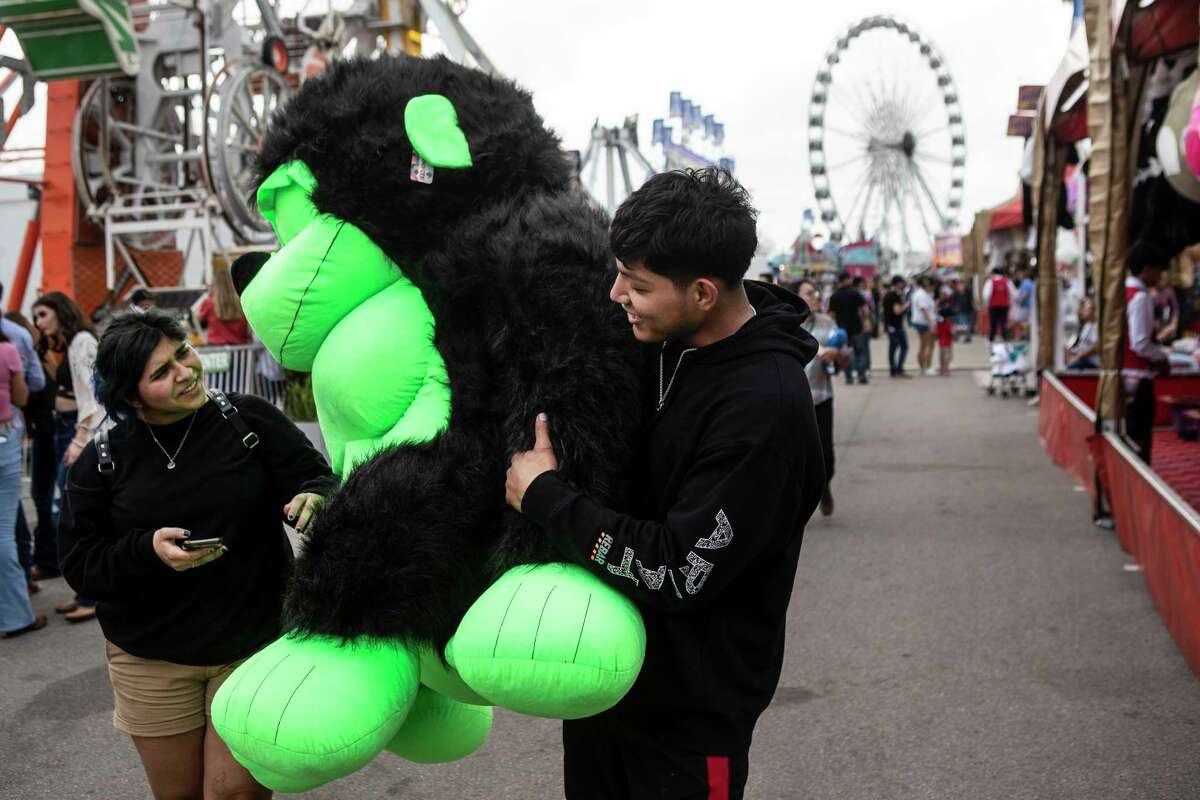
516 270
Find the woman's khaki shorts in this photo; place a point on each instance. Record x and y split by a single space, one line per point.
158 698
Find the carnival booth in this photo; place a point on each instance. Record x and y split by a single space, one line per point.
1138 98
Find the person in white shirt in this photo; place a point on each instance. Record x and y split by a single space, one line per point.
1083 349
1144 358
924 318
820 379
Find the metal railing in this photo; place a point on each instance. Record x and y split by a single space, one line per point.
235 368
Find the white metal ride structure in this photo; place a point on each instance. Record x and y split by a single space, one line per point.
887 149
164 158
617 147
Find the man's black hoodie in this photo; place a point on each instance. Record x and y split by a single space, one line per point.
730 472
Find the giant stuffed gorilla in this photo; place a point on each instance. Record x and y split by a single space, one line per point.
443 284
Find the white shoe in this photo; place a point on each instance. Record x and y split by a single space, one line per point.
931 373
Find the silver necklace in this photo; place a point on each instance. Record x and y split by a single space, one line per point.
171 458
662 393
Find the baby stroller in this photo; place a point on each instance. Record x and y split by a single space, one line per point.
1010 369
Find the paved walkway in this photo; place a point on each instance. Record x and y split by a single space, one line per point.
958 630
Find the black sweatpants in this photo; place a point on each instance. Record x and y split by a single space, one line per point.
601 762
1139 417
998 320
897 349
825 430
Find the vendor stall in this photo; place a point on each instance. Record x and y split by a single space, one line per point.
1137 98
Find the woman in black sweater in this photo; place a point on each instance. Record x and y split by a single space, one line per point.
177 621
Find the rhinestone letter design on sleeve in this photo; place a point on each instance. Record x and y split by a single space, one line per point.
696 573
623 570
720 537
674 585
654 580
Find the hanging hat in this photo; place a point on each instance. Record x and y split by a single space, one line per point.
1169 144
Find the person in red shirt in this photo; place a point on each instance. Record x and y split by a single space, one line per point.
998 294
220 313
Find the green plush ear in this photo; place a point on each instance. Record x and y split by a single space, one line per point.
431 124
285 199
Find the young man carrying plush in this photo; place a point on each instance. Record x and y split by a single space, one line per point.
729 472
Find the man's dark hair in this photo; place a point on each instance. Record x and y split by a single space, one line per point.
1143 254
688 224
844 276
122 354
857 282
898 280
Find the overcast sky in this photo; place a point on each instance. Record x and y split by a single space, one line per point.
752 63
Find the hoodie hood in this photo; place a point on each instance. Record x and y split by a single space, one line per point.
778 325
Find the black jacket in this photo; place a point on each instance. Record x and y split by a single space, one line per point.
730 473
224 610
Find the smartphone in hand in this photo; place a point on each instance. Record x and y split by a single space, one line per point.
201 544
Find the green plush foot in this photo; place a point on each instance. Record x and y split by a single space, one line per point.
439 729
445 680
550 641
303 712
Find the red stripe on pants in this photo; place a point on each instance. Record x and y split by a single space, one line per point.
718 777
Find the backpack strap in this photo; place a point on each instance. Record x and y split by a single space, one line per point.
229 411
104 451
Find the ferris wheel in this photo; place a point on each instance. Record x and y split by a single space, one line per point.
887 149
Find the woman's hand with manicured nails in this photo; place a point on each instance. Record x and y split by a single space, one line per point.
178 559
302 508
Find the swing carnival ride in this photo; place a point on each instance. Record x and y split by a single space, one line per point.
167 130
887 148
700 143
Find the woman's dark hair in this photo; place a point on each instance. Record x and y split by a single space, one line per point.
121 357
70 319
686 225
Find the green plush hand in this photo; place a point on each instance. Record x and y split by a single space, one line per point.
439 729
551 641
302 712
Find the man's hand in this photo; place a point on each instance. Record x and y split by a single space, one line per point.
525 467
832 355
